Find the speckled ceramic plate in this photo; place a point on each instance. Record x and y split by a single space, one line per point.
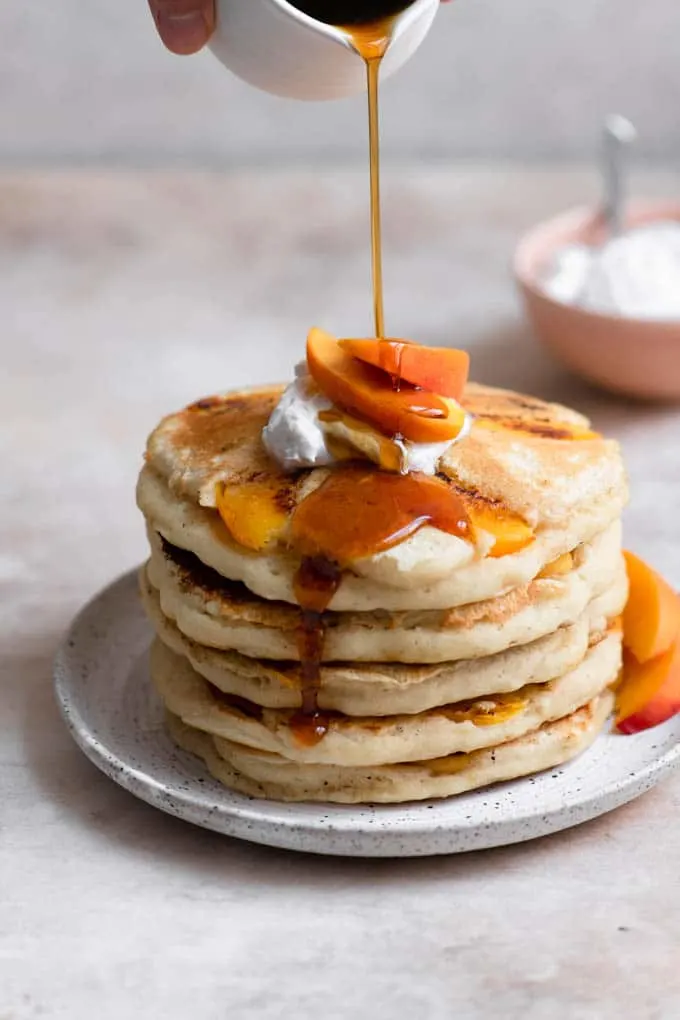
106 698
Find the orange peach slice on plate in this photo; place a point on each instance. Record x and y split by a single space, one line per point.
651 619
367 392
442 370
650 691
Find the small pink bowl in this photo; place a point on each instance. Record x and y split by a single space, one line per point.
637 357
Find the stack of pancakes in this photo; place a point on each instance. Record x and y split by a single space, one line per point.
444 667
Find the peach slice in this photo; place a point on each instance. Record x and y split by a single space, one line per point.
367 392
511 531
442 370
559 567
251 513
650 691
651 619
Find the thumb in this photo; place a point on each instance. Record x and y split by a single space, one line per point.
184 25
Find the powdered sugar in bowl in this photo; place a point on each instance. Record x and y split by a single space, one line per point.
609 309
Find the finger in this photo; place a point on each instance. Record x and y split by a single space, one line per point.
184 25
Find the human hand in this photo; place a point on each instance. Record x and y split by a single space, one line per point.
185 26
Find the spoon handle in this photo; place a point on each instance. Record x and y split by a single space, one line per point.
617 134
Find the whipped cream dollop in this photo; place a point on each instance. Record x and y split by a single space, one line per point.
636 274
296 437
293 435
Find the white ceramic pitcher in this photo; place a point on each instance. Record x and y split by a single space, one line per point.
275 47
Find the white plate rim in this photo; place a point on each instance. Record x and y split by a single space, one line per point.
334 829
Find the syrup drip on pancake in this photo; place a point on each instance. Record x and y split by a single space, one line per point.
355 513
316 582
358 512
337 523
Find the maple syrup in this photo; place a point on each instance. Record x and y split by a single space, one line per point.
315 583
349 12
360 511
369 25
357 512
391 355
371 42
373 71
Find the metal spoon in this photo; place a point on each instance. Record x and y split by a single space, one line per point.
617 135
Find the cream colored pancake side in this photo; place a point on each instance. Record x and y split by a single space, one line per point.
351 740
467 632
382 688
258 774
429 570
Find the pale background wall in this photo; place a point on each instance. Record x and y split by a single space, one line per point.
87 81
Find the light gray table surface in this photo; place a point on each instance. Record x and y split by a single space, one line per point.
123 296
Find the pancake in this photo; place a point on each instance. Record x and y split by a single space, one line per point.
520 451
386 688
259 774
359 741
430 570
520 456
217 615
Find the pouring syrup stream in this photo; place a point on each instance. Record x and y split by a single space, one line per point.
319 574
371 43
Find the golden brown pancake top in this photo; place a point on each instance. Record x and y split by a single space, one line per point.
536 458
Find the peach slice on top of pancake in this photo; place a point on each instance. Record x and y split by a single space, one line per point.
409 412
442 370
